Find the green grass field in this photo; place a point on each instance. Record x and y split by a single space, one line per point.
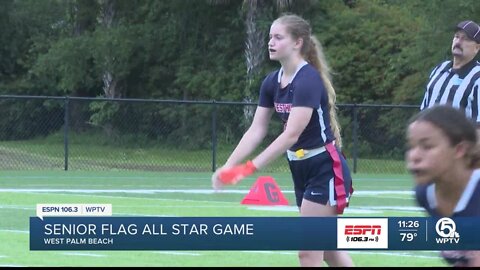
163 194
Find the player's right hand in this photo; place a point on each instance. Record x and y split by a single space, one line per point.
217 184
233 175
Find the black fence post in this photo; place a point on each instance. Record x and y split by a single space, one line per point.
355 137
214 136
65 131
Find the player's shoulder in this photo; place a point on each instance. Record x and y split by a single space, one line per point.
473 185
309 70
270 80
421 190
308 74
272 76
468 203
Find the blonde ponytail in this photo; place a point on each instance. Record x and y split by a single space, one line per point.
314 55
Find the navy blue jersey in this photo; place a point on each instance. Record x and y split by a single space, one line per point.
305 90
467 206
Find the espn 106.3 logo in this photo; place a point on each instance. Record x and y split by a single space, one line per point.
362 233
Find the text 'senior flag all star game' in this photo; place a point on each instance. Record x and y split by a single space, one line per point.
265 191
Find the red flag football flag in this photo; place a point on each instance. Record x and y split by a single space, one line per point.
265 191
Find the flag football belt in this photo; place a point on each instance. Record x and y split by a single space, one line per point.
302 154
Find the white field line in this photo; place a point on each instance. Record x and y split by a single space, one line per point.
352 209
17 207
90 192
275 208
400 254
136 198
180 253
83 254
291 253
15 231
8 265
188 191
259 207
17 177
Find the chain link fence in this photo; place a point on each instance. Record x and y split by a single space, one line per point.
73 133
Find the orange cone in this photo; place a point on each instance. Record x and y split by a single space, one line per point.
265 191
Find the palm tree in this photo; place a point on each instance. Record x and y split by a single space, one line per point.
106 19
255 41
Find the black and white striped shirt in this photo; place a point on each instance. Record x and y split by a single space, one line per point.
460 88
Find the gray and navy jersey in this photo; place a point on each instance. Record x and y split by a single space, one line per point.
305 90
459 88
467 206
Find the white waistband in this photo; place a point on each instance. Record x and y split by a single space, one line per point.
303 154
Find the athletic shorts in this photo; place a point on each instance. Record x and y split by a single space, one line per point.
314 177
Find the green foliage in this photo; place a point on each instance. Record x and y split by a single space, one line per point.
102 112
381 51
29 119
366 46
68 63
27 26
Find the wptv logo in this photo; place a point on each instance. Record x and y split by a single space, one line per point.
447 230
362 233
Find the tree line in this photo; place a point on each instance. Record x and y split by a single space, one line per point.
381 51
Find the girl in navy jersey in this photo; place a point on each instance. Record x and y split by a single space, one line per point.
441 156
302 95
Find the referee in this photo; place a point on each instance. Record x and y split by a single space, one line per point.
457 82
